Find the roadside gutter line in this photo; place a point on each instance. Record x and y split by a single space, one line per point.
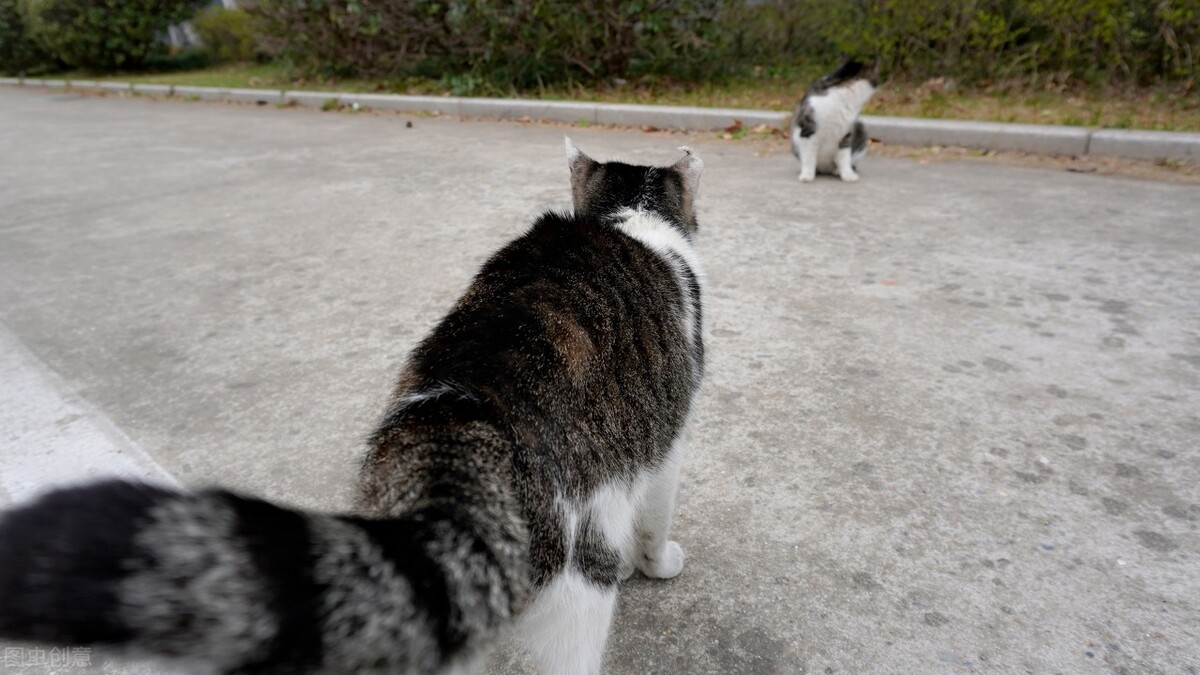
1032 138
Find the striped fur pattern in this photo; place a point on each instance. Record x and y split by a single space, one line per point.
526 464
827 136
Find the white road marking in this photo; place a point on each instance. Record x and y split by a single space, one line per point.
50 437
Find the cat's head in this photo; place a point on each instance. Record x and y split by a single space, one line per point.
854 70
607 189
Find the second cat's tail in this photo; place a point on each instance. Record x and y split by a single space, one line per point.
233 584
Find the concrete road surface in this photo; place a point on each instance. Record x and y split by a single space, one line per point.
951 422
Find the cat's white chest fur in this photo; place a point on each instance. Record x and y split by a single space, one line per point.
835 112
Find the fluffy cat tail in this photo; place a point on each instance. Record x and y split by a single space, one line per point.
233 584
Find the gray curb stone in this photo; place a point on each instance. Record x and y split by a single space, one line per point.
311 99
1146 144
199 93
515 109
1034 138
433 104
1043 139
259 96
675 117
152 89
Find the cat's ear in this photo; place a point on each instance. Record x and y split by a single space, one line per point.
581 167
689 169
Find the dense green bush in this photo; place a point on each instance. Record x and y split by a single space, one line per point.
1134 41
227 34
102 34
519 42
526 42
534 42
358 37
18 52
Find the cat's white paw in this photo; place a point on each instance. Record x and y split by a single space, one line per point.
850 177
807 179
668 563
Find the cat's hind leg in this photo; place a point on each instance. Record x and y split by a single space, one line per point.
845 165
566 627
656 555
858 144
845 158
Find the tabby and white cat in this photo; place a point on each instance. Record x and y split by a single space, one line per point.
827 135
527 463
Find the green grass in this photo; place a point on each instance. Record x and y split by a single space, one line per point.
232 75
1174 108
